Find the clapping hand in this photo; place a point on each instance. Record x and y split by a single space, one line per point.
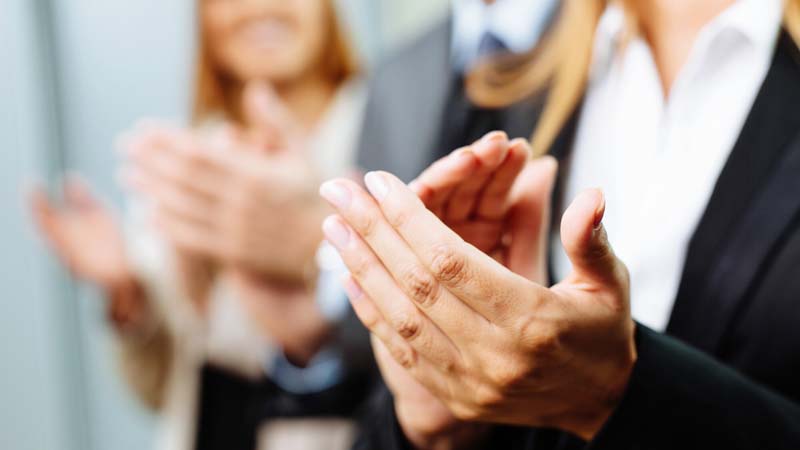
492 345
234 197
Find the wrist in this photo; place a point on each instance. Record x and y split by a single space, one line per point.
590 422
425 433
126 307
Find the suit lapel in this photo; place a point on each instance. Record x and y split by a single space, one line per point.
753 203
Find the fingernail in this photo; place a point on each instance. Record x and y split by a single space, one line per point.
336 232
601 210
377 186
494 136
336 193
352 288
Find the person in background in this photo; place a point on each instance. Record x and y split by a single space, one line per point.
418 110
684 113
216 290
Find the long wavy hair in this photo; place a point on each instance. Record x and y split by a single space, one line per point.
215 92
560 65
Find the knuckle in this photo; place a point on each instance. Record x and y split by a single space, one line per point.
421 285
508 374
369 318
447 265
408 326
463 412
404 356
398 219
367 225
487 397
360 267
540 340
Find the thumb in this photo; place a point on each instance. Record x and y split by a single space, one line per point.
530 218
265 116
586 242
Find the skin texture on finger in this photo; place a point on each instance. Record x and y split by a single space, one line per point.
406 366
412 277
491 151
396 309
493 203
471 275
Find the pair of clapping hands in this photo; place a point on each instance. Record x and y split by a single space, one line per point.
449 274
241 196
235 201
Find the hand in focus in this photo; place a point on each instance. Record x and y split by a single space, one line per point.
86 237
493 346
496 198
240 202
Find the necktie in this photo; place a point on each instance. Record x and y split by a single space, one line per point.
463 121
491 45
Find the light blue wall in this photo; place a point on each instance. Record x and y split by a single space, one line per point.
73 74
37 338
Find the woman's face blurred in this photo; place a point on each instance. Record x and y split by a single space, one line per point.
274 40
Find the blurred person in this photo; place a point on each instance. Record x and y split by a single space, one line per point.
417 105
683 112
217 280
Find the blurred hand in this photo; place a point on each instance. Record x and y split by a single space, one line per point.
491 345
496 198
241 201
83 233
87 239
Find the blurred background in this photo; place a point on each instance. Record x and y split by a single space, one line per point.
77 73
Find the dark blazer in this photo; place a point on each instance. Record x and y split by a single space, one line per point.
417 110
727 372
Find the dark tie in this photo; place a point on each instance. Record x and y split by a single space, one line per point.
491 45
463 121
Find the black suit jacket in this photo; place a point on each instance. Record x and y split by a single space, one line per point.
727 372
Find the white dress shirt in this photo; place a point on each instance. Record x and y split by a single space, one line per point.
517 23
657 159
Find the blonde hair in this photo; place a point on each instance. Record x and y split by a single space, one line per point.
561 67
215 93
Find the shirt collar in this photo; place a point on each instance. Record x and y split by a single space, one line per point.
757 21
518 23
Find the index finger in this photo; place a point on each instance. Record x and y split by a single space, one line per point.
471 275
